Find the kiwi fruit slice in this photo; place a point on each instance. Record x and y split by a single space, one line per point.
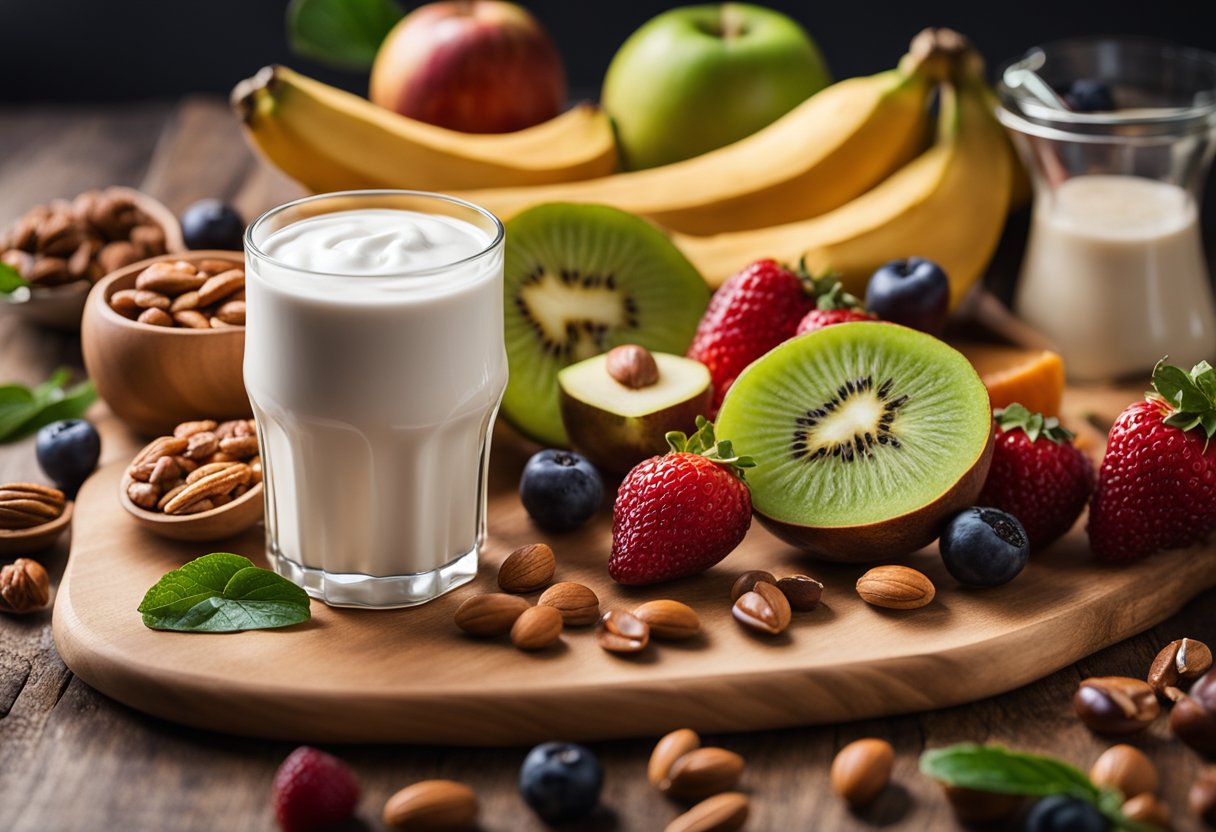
580 280
867 438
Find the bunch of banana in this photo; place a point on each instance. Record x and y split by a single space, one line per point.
330 140
949 205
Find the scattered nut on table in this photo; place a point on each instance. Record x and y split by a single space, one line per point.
861 770
701 773
1115 705
24 586
438 805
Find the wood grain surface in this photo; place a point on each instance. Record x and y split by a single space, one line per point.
412 676
73 759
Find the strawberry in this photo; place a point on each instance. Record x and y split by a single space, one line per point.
679 514
313 791
1157 485
833 305
1037 474
753 311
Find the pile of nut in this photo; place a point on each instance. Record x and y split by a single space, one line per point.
208 294
85 239
683 770
202 466
24 505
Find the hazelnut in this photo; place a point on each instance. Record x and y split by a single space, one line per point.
861 770
1146 808
1193 719
1202 797
632 366
1115 705
1125 768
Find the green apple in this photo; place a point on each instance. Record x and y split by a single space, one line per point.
617 416
696 78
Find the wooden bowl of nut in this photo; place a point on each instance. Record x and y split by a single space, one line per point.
203 482
62 248
32 517
164 339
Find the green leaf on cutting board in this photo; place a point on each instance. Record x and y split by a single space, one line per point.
345 34
223 593
24 410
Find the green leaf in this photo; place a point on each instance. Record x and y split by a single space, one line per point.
10 280
341 33
990 768
1034 425
223 593
23 411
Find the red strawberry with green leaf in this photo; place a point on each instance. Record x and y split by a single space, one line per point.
752 312
1157 485
1037 474
679 514
833 305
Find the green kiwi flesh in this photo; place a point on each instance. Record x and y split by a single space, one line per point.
866 436
580 280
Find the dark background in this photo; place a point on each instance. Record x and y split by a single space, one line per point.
86 50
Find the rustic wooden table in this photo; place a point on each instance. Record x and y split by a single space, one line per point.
71 759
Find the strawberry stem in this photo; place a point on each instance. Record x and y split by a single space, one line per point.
1034 425
827 290
704 443
1190 396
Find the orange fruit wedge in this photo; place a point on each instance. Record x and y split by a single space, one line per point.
1035 378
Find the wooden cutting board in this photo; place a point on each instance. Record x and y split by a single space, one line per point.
411 676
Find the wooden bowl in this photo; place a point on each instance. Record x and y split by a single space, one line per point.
35 538
61 307
219 523
155 377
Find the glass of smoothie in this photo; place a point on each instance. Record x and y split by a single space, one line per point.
1114 272
375 364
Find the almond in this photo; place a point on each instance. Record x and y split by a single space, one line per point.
232 312
701 773
862 770
146 299
748 580
221 286
155 317
725 812
632 366
578 604
432 806
669 749
622 632
170 278
185 302
489 614
764 609
192 319
214 266
536 628
527 569
895 587
669 619
123 302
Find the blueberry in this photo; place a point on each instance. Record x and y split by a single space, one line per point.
984 547
210 223
68 452
912 292
1061 813
560 490
1089 95
560 781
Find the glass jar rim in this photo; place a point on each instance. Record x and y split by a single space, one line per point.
253 249
1028 115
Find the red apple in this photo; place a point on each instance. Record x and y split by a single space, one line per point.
481 66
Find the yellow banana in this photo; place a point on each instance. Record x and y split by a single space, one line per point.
329 139
948 205
828 150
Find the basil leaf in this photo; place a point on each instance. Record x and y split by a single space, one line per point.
342 33
223 593
990 768
10 280
23 411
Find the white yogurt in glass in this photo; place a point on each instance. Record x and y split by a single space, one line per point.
1115 277
375 363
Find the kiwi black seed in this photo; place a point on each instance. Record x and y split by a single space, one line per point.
865 435
580 280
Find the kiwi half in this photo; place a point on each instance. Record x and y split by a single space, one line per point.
866 436
580 280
